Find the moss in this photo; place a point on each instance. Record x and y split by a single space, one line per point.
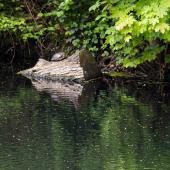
115 74
89 65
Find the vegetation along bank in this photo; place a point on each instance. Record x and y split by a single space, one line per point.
124 35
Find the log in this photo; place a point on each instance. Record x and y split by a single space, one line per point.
78 67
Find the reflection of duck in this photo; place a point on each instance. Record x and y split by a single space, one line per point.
58 56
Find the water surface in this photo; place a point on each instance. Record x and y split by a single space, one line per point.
109 127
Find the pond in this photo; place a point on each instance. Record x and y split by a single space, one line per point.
107 126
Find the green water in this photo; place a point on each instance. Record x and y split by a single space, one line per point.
115 127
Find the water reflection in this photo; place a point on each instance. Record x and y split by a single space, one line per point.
119 128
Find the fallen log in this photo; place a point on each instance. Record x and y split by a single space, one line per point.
79 67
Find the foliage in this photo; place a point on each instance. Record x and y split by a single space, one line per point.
15 19
140 30
133 31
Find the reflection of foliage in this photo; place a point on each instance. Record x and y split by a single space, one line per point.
126 138
109 131
15 105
